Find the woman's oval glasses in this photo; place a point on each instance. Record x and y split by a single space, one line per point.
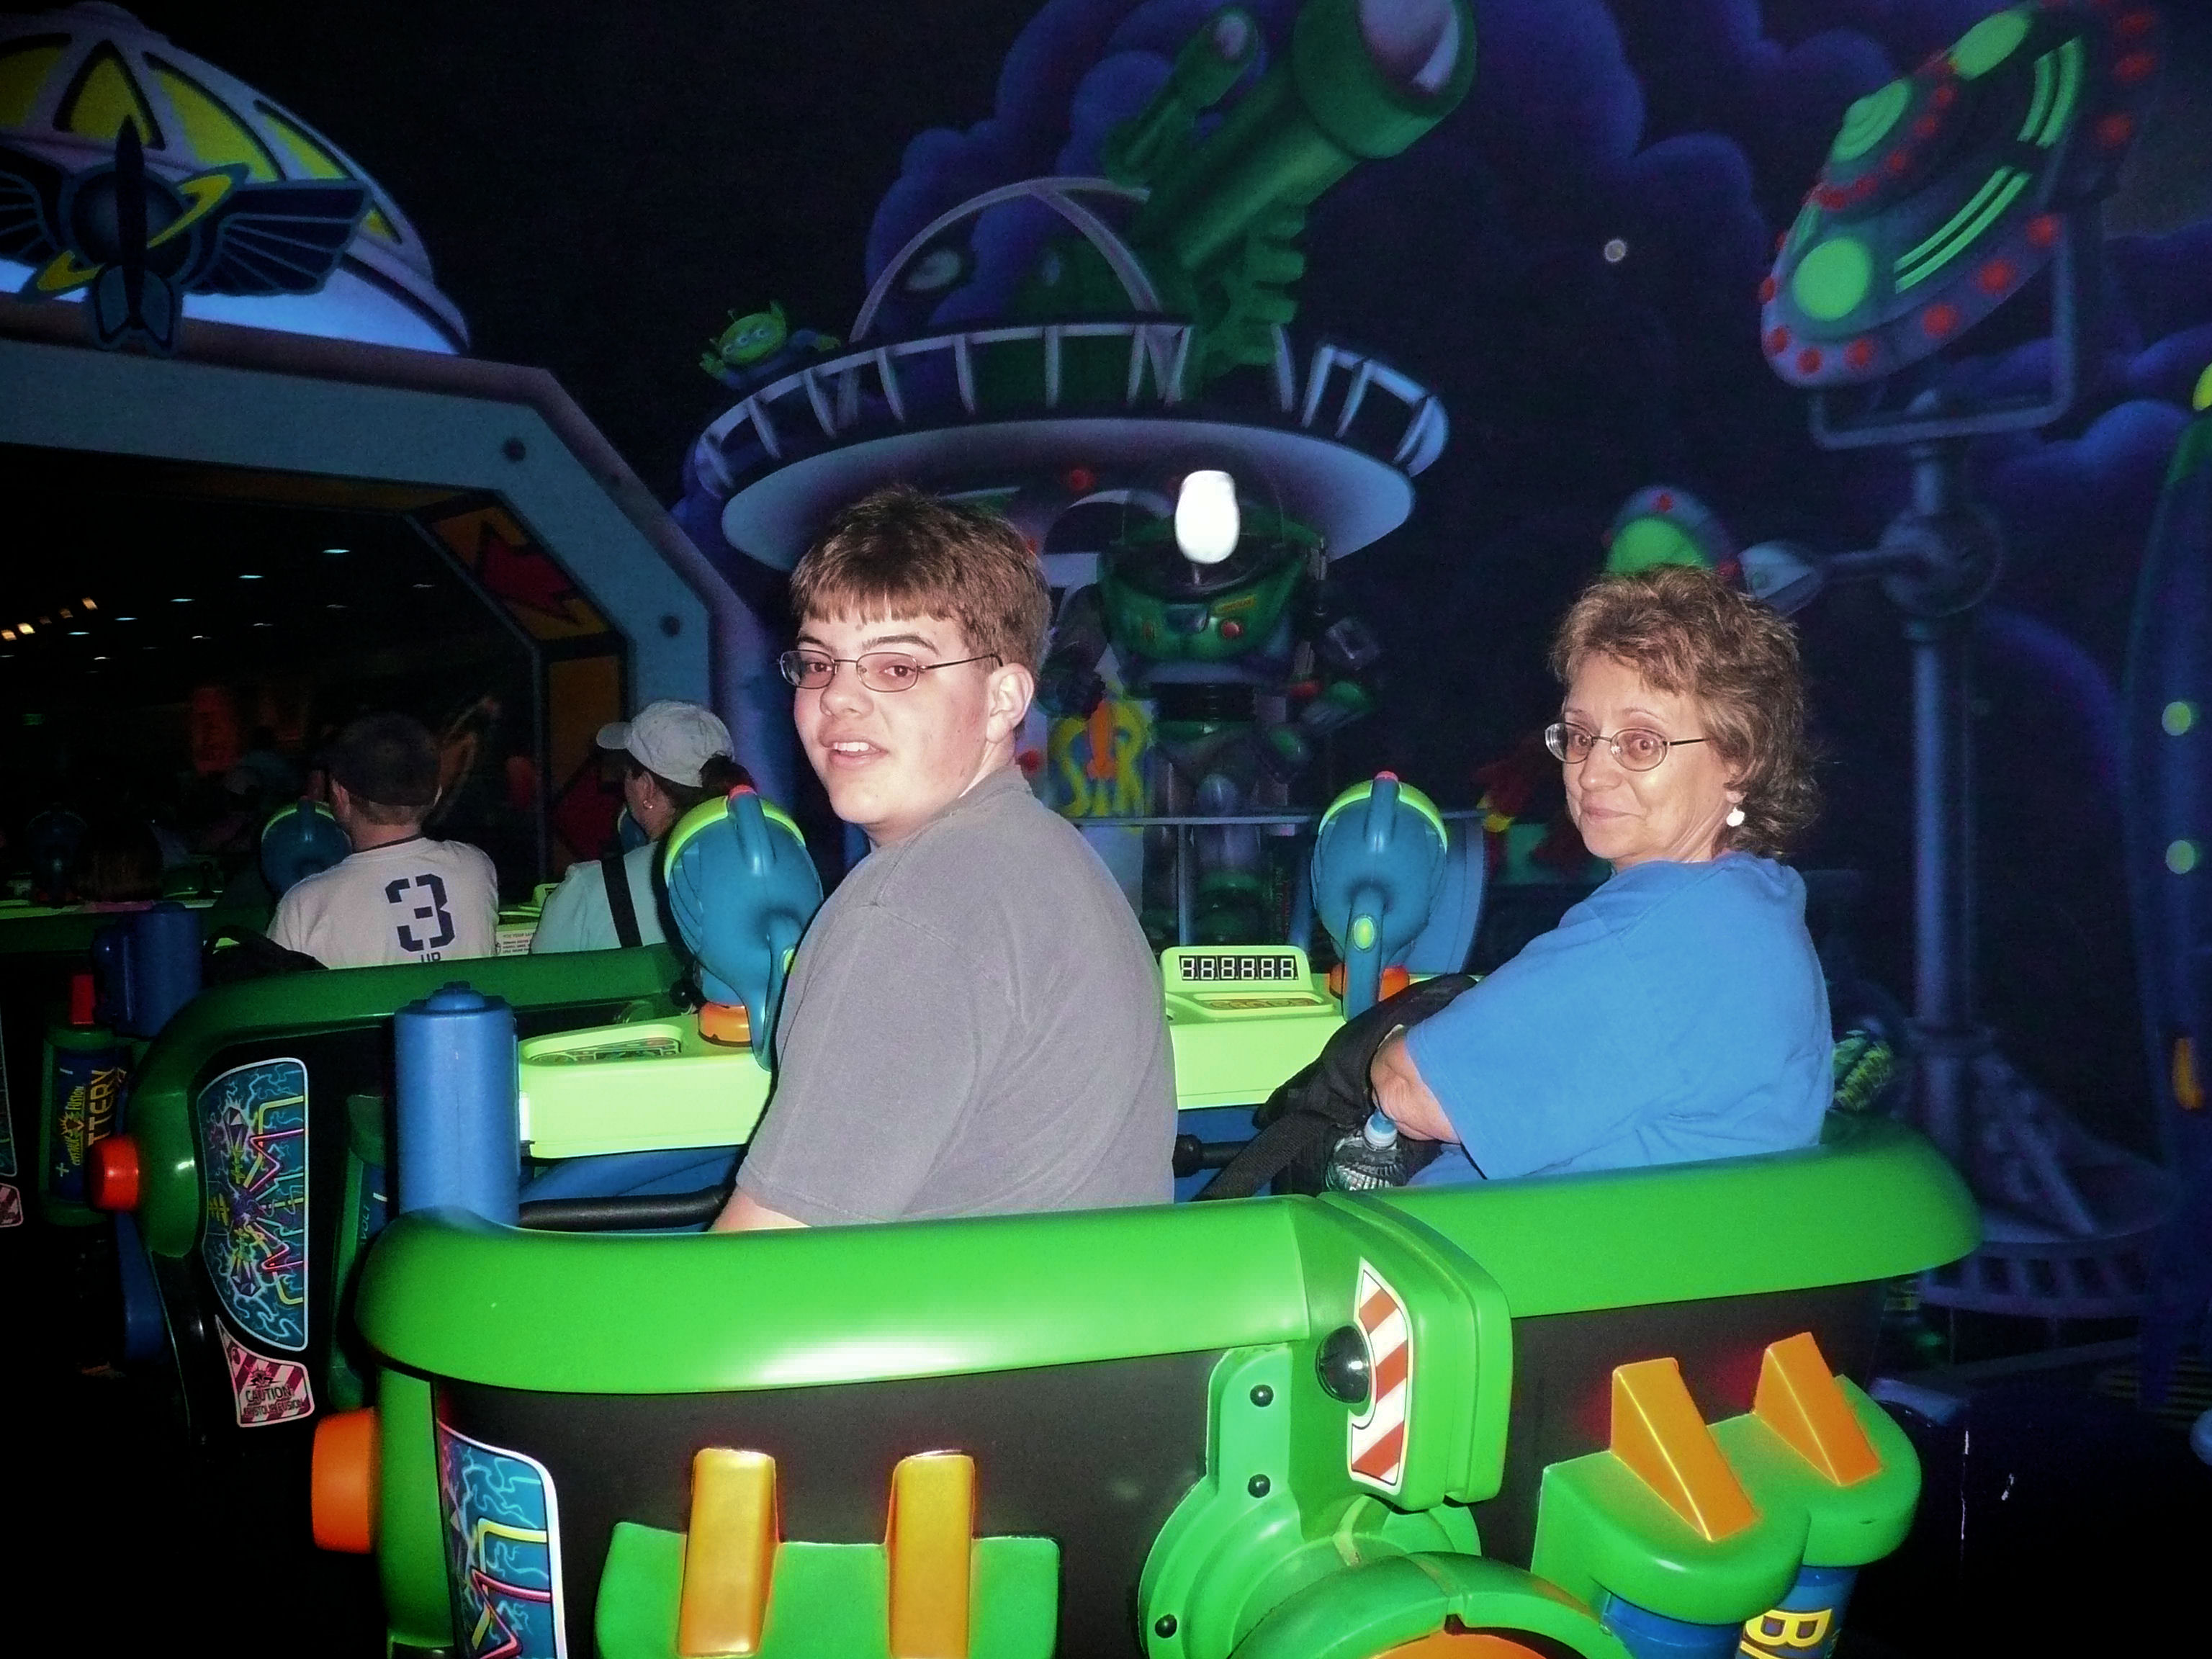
1635 748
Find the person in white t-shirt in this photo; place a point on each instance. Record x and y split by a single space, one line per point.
674 756
400 896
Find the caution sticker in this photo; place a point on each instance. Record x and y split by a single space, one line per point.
1377 1454
264 1390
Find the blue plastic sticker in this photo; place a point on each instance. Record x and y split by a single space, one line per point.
253 1150
502 1550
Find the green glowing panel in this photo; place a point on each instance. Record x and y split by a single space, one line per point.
1989 43
1831 280
1642 543
1868 120
22 73
2181 857
1958 233
2202 398
214 135
2179 717
2069 95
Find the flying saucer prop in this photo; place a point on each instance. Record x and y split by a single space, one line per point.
1946 192
1662 524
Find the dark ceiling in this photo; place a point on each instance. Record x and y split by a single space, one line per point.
144 579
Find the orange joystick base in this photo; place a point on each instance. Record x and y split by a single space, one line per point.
726 1023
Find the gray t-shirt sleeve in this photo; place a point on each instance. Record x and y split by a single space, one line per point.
874 1070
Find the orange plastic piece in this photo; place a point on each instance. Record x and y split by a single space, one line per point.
342 1482
1460 1645
729 1554
2188 1087
1798 1399
726 1023
928 1544
110 1174
1101 767
1396 978
1657 1433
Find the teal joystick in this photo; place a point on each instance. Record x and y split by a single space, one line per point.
1378 861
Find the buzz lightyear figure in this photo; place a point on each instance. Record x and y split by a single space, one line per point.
1217 611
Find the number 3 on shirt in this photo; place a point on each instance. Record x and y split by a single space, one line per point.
395 892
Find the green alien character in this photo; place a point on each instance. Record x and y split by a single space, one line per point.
760 346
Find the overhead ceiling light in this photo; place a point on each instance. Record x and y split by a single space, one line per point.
79 632
100 660
199 636
425 584
334 606
336 552
126 619
88 604
25 628
8 635
249 575
182 599
66 613
264 625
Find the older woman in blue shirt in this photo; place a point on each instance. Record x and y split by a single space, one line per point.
1678 1012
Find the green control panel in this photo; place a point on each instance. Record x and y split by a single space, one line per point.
1242 1018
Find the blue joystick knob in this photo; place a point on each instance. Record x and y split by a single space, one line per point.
742 887
1379 860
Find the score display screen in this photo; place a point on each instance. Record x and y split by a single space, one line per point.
1258 967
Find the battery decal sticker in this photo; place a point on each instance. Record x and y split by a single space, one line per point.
502 1550
253 1148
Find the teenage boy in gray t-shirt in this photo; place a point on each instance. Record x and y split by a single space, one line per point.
973 1025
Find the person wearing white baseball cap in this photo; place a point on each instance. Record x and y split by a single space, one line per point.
674 756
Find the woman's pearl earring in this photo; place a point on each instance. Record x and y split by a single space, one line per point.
1734 819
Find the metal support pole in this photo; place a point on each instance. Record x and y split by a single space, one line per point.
1943 931
1942 778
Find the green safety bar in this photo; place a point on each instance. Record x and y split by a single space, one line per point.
448 1294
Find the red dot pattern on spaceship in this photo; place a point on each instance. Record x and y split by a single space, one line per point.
1946 192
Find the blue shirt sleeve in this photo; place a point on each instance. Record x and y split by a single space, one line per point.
1548 1056
1676 1013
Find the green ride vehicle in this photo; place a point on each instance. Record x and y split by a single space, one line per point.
1604 1414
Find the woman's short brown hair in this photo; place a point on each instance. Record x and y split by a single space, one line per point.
900 552
1688 632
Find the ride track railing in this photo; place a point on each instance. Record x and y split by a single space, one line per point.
877 387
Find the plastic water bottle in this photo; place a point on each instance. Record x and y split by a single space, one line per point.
1367 1159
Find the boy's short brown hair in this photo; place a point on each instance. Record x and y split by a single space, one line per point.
901 552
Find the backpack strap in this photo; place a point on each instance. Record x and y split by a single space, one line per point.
620 902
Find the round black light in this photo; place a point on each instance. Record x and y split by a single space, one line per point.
1345 1369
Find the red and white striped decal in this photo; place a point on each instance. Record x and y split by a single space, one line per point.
1378 1433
